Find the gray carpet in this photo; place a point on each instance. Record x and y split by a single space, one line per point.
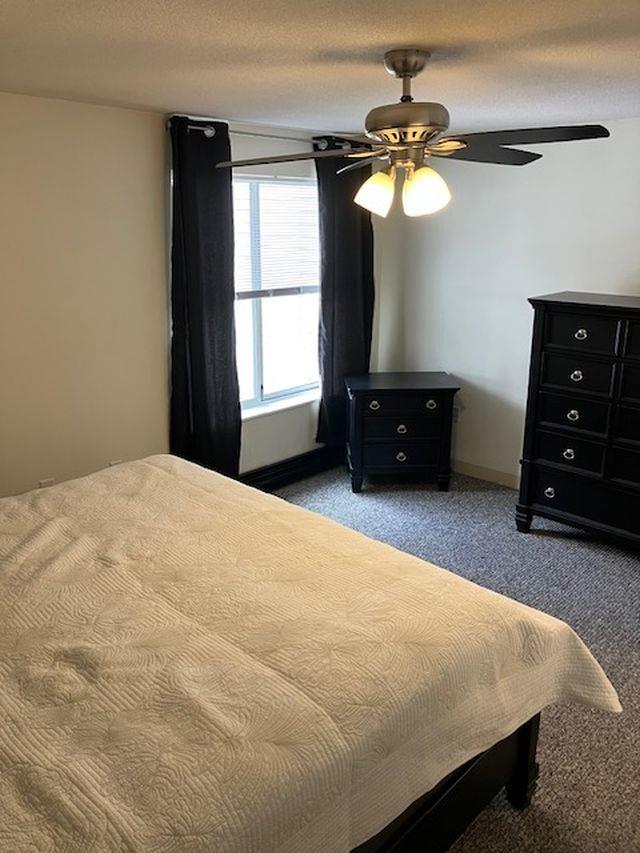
588 796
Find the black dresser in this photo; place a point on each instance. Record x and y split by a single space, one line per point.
400 423
581 457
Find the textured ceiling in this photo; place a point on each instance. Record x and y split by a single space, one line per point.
316 63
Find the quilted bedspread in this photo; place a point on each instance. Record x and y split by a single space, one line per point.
187 664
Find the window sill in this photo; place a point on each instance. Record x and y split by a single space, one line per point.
273 406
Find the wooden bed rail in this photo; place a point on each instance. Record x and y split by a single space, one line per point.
434 821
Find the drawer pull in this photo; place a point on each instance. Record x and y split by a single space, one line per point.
569 454
581 335
431 404
401 457
401 429
577 376
374 405
573 415
550 492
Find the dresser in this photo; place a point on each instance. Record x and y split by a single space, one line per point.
400 423
581 456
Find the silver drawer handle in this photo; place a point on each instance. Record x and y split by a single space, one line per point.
431 404
374 405
401 457
549 492
573 415
576 376
401 429
581 335
569 454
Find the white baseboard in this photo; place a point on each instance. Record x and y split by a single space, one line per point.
502 478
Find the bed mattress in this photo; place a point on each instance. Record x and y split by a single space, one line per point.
187 664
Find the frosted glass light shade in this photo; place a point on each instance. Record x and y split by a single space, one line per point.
424 192
376 194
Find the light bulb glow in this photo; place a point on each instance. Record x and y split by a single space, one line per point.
376 194
424 191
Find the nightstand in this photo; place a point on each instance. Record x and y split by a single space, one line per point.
400 423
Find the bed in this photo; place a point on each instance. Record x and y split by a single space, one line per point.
188 664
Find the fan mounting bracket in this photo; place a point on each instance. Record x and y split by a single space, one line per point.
406 61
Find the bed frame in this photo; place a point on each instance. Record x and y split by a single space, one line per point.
435 820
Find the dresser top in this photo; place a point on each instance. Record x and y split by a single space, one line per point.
430 381
604 300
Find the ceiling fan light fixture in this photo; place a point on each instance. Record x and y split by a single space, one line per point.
376 193
424 192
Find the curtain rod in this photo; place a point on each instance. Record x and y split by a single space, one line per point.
210 131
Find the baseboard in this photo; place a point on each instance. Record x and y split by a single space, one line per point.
272 477
502 478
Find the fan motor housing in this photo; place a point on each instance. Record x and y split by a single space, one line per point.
408 122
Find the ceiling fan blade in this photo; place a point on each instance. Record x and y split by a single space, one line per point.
534 135
446 147
491 154
360 154
359 164
288 158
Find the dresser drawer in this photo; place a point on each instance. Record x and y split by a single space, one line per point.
631 382
624 465
633 340
571 451
396 428
578 414
628 424
582 375
398 456
591 499
379 405
582 332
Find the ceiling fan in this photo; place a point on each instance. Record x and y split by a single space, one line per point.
407 134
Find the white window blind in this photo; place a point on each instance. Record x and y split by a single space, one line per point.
277 275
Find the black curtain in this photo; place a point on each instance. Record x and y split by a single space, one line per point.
346 287
205 407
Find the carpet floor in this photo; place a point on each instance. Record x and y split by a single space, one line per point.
588 796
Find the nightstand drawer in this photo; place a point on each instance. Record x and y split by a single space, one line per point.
399 456
582 332
396 428
570 451
578 414
581 375
584 497
379 405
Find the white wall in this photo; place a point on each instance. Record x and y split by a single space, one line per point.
567 222
83 319
387 349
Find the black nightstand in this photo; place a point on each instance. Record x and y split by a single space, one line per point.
400 423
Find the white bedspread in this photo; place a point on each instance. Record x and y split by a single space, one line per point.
187 664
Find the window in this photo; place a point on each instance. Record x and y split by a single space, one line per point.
277 279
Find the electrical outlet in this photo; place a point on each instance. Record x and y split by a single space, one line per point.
49 481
